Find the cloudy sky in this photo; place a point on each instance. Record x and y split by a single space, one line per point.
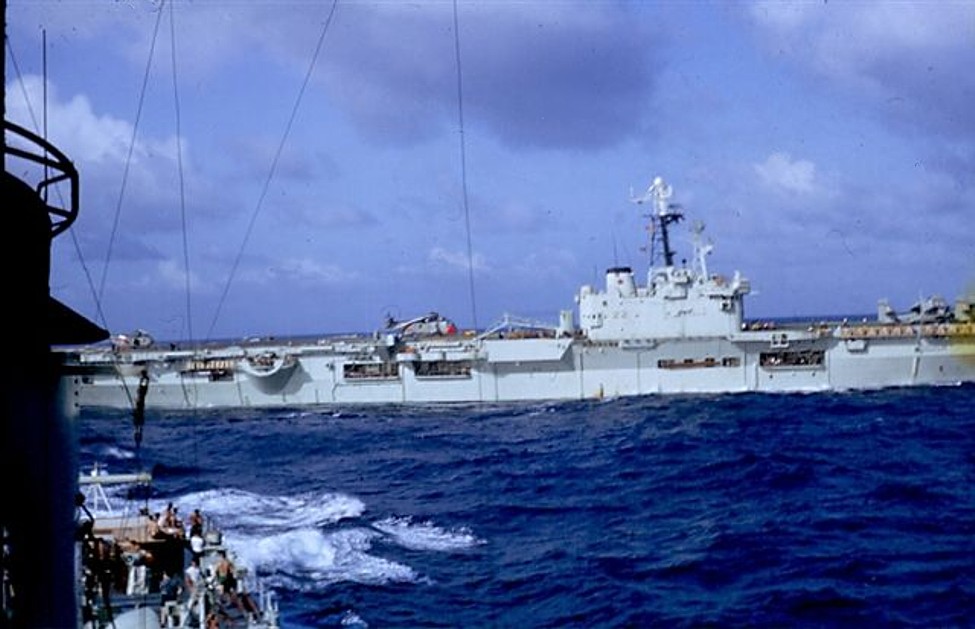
315 153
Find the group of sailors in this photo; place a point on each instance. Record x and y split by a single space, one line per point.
209 586
228 603
192 585
167 525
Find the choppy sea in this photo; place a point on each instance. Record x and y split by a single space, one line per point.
745 510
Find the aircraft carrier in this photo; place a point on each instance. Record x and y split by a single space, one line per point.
682 331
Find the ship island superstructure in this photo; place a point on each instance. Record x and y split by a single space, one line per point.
683 331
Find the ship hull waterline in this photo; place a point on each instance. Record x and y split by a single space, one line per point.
526 370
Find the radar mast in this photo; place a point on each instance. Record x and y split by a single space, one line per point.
665 213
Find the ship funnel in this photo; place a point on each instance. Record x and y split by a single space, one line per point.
566 325
619 281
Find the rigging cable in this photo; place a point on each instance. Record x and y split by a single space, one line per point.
144 381
179 166
463 168
44 99
274 165
71 232
138 402
128 157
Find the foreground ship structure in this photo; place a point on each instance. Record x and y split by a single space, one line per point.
683 331
134 567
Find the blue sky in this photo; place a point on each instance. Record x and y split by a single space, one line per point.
828 147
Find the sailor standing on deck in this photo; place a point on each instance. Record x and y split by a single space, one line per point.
193 579
196 523
170 588
197 542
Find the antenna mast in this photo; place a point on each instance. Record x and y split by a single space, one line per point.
663 215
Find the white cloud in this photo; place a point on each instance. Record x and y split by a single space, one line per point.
781 172
852 44
274 272
307 270
855 29
782 16
535 74
84 135
173 276
336 215
455 260
910 61
551 262
99 145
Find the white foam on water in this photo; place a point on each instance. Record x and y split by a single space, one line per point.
300 539
314 556
238 509
353 562
292 551
109 453
426 535
351 619
291 535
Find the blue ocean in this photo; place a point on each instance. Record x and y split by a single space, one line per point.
745 510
